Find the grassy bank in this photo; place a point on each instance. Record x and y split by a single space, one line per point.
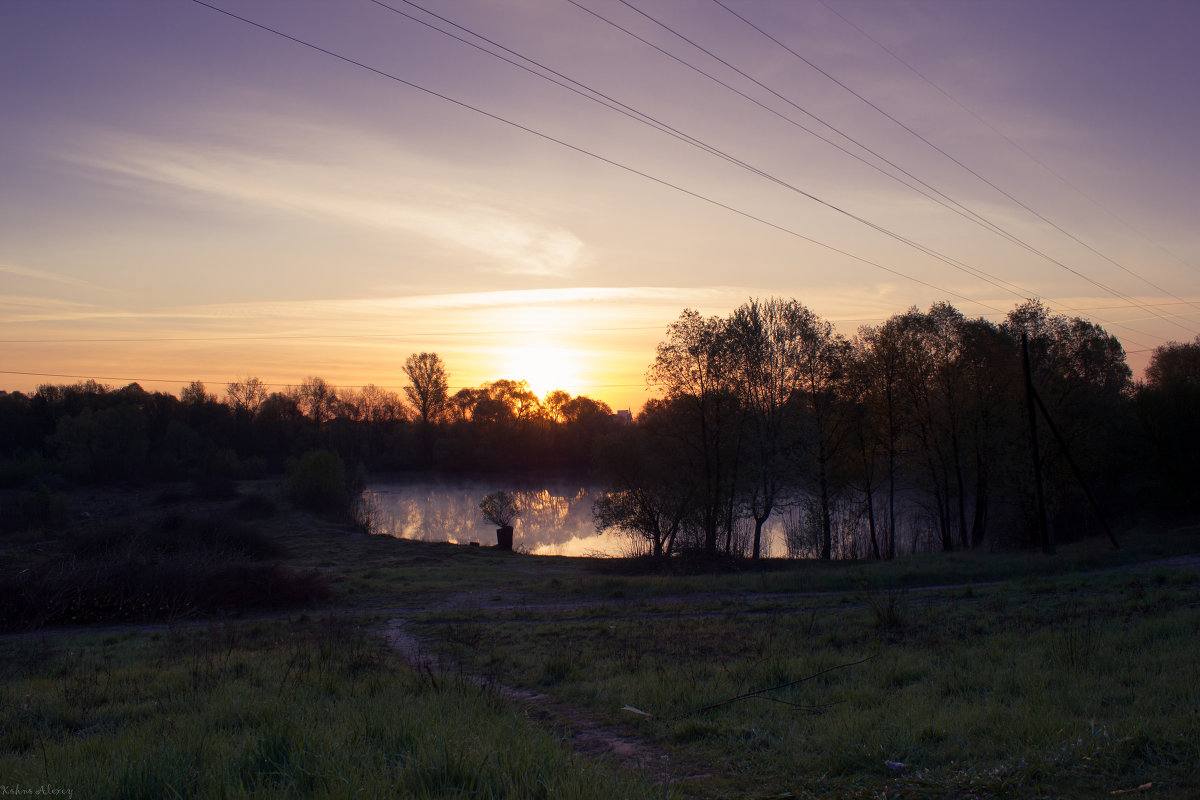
1059 688
311 707
1023 675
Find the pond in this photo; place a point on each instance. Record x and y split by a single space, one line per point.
556 517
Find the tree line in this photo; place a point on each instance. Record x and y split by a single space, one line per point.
917 433
912 434
92 433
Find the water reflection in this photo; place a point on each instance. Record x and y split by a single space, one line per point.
556 519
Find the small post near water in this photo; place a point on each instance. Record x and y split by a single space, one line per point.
500 509
504 536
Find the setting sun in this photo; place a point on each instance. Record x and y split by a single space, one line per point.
545 368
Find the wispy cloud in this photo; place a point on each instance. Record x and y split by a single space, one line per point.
359 185
44 275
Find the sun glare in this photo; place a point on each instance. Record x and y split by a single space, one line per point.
546 368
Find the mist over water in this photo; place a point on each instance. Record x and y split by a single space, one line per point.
556 517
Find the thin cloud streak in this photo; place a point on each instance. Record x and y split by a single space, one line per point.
45 275
317 188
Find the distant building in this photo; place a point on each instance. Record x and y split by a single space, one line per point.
624 415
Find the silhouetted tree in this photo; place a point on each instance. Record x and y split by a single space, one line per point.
878 364
765 338
428 385
1174 364
1168 410
652 492
552 405
693 368
822 357
246 395
195 394
506 401
1080 374
427 392
316 399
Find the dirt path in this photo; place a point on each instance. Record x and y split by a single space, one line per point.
582 731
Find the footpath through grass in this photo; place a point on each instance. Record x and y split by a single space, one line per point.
308 708
1059 688
1070 676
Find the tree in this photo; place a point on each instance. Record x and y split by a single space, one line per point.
246 395
427 390
821 357
990 412
553 403
651 494
1080 375
508 400
1174 364
878 362
377 405
583 410
1168 410
195 394
316 399
693 367
765 337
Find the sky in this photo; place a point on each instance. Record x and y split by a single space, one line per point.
322 188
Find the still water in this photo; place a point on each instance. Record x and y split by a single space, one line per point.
556 518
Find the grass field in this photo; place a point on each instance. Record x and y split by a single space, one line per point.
961 675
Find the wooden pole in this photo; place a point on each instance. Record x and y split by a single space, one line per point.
1078 472
1043 527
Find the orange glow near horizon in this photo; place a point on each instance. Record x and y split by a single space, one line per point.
206 200
545 368
593 342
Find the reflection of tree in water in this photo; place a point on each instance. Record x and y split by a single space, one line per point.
441 512
553 518
427 513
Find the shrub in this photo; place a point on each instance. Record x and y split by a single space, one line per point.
317 482
256 505
40 509
500 509
130 587
177 534
22 467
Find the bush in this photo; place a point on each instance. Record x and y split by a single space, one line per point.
256 505
500 509
40 509
130 587
177 534
317 482
22 467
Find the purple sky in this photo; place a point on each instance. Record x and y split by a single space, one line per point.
188 197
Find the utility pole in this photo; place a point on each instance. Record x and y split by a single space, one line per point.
1043 527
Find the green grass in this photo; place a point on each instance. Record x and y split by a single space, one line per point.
270 709
1063 688
1025 675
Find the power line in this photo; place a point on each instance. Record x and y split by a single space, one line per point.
611 103
1014 144
594 155
632 170
948 202
958 162
593 94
